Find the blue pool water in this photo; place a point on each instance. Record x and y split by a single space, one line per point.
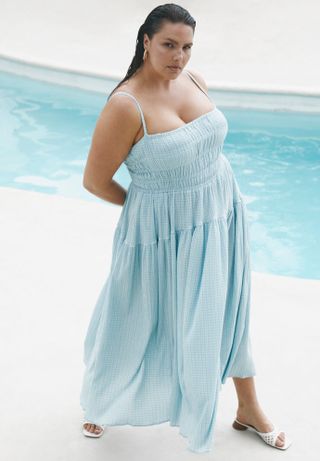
46 132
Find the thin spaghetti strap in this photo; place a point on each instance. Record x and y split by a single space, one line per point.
195 81
137 104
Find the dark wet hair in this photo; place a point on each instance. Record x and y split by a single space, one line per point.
152 24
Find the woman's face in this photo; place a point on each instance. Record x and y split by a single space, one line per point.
171 46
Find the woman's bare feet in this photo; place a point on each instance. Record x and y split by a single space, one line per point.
92 428
254 416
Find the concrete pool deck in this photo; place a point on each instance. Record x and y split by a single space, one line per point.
55 256
55 251
237 45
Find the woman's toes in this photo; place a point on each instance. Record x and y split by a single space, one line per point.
95 428
92 428
280 439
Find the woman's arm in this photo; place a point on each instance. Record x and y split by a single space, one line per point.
114 134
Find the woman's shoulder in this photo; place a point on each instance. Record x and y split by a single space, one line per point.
199 77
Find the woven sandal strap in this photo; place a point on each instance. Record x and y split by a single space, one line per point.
271 437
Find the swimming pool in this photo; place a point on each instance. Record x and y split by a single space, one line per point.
46 131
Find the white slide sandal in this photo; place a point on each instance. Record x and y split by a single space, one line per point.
268 437
92 434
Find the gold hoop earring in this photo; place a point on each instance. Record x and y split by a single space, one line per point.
144 54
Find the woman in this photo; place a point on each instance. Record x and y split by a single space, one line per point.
172 319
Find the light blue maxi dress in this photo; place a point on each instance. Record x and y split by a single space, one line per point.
171 322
